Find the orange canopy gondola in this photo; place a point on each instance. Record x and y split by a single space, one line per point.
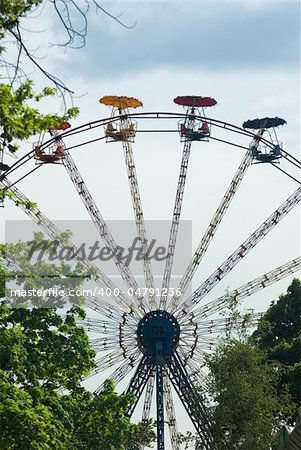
120 102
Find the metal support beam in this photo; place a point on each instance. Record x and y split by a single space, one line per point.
160 407
191 400
176 213
139 381
139 219
239 254
102 228
209 233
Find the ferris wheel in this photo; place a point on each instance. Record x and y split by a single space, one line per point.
162 339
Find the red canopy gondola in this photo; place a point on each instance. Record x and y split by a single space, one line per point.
195 100
62 126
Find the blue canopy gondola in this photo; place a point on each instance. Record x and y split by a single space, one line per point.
266 122
4 167
263 153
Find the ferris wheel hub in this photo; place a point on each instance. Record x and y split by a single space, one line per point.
158 334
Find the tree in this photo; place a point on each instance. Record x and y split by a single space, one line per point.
279 335
255 381
31 270
40 348
38 419
27 423
19 120
243 415
42 351
103 425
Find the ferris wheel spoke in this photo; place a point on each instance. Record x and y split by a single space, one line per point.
207 328
147 403
120 336
105 326
109 343
198 354
206 341
196 372
176 218
148 397
97 325
215 222
139 219
103 343
191 399
204 345
102 228
107 310
107 361
209 335
125 367
125 132
244 291
139 381
171 413
53 232
239 254
94 303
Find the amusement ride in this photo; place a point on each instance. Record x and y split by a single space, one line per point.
162 341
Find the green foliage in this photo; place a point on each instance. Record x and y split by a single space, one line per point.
282 321
11 195
238 323
19 120
40 348
39 418
12 10
255 381
42 351
245 402
40 268
279 335
26 423
3 271
189 440
102 424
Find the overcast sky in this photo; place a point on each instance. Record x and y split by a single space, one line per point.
212 37
244 54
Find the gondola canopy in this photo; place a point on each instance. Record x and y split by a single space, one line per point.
266 122
62 126
195 101
120 102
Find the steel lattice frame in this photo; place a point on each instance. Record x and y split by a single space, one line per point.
118 327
